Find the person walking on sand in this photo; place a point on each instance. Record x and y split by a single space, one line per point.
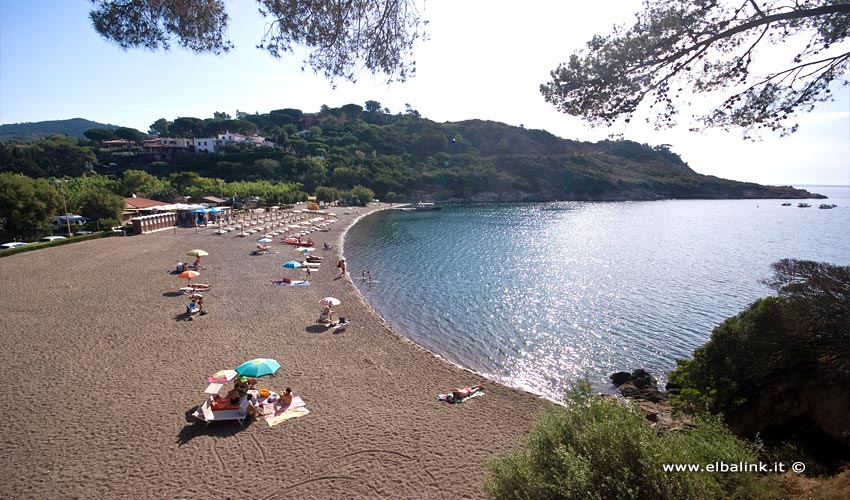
341 266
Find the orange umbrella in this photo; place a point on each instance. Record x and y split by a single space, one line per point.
188 275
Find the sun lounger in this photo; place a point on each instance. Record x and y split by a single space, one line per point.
205 413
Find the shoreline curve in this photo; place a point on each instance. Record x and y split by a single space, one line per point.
109 371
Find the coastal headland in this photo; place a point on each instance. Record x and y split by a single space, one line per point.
103 373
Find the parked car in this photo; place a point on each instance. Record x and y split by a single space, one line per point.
13 244
82 233
53 238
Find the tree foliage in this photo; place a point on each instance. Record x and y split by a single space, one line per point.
797 336
27 206
341 36
600 448
705 46
99 134
100 203
130 134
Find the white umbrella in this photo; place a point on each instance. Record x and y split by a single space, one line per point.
330 301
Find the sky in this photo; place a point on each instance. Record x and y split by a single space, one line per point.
483 59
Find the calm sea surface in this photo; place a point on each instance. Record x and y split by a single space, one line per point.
536 295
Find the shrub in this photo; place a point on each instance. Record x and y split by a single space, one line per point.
600 448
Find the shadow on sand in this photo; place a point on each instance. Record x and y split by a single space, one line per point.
195 428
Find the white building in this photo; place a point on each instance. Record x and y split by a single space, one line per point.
214 144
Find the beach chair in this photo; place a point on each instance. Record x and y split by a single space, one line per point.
205 413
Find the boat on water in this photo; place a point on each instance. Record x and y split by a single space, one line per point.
424 205
786 204
803 205
827 205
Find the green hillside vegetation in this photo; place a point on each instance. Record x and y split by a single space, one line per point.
405 156
75 127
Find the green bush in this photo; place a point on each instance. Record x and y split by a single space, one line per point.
600 448
798 335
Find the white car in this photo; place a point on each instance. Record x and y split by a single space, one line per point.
53 238
14 244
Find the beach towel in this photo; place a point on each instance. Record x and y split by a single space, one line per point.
294 410
445 397
291 283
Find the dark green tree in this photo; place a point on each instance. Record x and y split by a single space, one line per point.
60 156
325 194
27 206
99 134
130 134
373 107
362 195
99 203
160 127
342 36
188 127
141 183
678 47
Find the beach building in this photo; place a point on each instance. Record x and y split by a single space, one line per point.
135 207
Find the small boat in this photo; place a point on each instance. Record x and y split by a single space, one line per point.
423 205
786 204
803 205
299 242
827 206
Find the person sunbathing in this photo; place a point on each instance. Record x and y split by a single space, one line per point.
230 401
285 400
458 394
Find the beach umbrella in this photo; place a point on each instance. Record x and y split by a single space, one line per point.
197 253
304 249
292 264
188 275
222 376
265 240
258 367
329 301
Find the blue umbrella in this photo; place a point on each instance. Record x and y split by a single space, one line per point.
292 264
258 367
265 240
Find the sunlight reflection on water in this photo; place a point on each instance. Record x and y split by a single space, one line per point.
536 295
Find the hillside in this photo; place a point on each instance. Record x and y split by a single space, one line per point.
405 156
75 127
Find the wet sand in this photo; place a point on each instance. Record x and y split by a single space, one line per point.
103 372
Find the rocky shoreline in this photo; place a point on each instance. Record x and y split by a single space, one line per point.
641 387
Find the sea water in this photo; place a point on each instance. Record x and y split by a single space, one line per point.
538 295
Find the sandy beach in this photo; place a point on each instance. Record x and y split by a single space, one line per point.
103 372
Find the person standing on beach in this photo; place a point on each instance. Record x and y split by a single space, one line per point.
341 266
